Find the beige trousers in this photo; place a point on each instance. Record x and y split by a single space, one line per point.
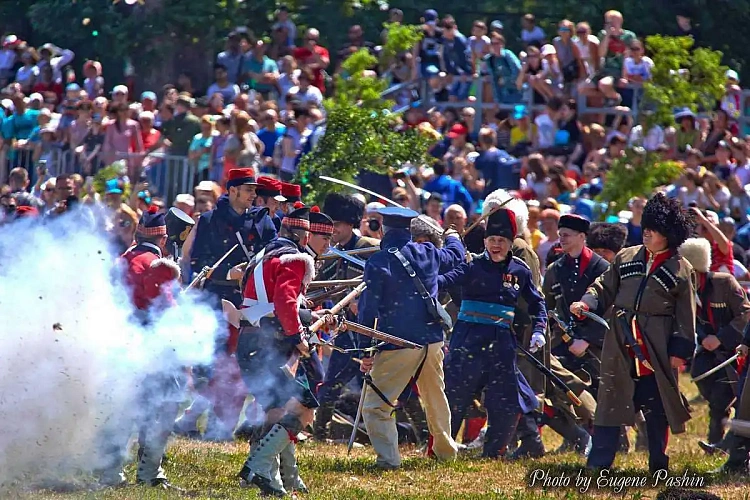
391 372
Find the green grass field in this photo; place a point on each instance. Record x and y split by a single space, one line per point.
208 470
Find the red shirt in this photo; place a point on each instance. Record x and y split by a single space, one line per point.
303 55
42 88
150 138
719 260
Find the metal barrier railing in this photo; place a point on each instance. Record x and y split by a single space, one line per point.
167 175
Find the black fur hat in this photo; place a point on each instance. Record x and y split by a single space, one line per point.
608 236
666 217
342 208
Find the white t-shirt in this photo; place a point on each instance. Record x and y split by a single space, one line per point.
545 130
654 138
583 49
642 68
696 196
311 94
743 173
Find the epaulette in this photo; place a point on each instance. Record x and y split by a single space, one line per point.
519 260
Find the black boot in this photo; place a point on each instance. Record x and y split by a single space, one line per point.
576 438
323 416
531 442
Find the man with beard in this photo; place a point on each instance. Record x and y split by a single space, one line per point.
653 333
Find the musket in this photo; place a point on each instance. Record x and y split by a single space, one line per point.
349 258
356 251
206 272
325 284
345 324
361 404
554 378
317 298
290 368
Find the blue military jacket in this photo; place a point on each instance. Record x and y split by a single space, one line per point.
391 295
492 289
216 234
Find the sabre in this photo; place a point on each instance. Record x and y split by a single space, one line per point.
350 258
595 317
568 334
356 251
479 220
716 368
372 193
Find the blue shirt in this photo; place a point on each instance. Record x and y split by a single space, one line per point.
267 65
20 126
391 295
456 55
270 137
452 191
499 169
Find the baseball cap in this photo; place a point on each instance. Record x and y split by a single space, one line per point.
148 95
120 89
497 25
732 75
72 87
430 15
112 187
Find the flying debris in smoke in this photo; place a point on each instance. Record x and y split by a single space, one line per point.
59 388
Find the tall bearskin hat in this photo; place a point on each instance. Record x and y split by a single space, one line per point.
608 236
697 251
342 208
502 223
515 205
666 217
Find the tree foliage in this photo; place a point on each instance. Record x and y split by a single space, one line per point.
362 134
638 173
681 78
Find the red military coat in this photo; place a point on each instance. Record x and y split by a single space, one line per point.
147 272
285 279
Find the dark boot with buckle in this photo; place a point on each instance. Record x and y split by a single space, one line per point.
531 442
260 467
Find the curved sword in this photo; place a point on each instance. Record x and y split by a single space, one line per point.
373 193
716 368
596 318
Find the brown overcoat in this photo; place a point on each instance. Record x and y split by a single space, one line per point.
666 318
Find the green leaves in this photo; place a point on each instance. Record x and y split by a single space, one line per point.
638 173
681 79
362 134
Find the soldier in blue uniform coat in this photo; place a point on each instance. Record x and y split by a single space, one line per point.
234 221
393 297
483 349
346 213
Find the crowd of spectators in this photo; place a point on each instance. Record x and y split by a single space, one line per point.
264 108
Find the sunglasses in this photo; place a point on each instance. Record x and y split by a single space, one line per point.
564 30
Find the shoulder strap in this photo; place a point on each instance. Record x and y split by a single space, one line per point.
431 308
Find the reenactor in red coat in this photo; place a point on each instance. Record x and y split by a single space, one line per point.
150 276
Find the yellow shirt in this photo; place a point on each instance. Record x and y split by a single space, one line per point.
536 237
517 135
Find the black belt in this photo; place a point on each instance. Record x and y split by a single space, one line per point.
233 284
